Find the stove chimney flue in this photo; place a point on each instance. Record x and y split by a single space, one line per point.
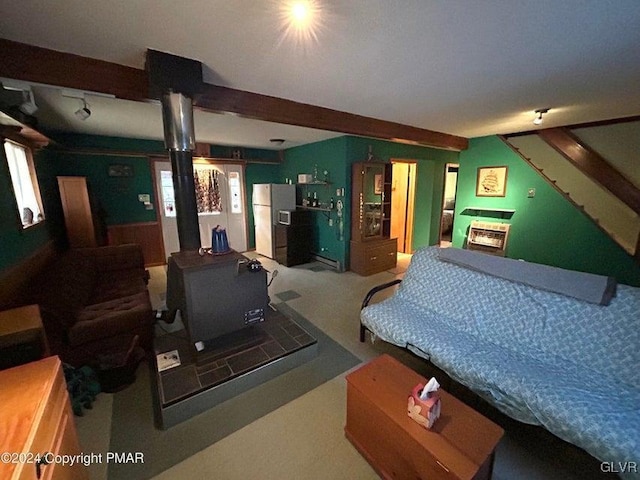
179 139
177 119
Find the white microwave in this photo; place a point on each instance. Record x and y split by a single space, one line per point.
284 217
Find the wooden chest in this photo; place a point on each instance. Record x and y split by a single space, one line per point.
460 445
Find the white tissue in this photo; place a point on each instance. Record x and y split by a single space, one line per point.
431 386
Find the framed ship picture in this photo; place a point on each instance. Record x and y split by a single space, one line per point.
491 182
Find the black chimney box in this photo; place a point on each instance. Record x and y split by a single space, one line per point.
171 72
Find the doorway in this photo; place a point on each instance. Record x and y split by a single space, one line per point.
222 189
448 204
403 191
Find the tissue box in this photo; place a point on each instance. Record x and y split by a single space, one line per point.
425 412
305 178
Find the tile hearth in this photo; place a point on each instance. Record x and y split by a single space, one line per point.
227 365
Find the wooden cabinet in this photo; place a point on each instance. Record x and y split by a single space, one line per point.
372 249
146 234
84 228
372 257
293 244
461 444
36 419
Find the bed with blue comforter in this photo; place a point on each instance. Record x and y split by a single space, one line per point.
540 357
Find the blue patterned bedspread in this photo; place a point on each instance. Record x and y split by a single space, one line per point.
540 357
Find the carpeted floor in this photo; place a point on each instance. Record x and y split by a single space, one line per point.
133 428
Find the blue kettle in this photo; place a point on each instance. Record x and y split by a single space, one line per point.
219 241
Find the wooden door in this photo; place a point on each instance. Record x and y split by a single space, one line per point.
402 204
78 217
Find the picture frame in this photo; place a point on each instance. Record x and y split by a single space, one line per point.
492 181
377 184
120 170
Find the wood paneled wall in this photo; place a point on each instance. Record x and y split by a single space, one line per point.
14 280
147 234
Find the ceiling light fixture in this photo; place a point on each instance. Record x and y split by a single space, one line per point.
539 112
28 105
83 112
301 20
277 141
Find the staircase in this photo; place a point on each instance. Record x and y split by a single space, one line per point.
594 185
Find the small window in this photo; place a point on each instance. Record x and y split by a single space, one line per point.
25 184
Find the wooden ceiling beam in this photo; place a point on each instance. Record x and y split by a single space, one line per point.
273 109
592 164
29 63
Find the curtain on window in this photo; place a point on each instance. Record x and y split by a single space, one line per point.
207 190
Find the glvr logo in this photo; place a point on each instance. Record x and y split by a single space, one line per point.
619 467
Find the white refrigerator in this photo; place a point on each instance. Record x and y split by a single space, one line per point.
267 199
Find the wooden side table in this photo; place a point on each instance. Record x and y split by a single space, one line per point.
23 325
461 444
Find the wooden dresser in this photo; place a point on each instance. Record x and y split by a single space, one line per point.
36 418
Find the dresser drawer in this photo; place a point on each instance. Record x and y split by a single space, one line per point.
372 257
36 419
383 257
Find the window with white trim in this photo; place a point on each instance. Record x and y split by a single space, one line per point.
25 184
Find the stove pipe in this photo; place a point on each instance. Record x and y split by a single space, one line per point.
179 139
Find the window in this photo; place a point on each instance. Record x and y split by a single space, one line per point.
25 185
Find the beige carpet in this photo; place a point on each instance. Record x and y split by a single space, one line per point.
303 440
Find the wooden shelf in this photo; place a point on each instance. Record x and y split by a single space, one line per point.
489 212
319 209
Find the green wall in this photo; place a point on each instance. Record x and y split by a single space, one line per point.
563 235
429 181
328 155
337 156
17 243
544 229
116 196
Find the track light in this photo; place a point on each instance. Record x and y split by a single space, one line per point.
28 106
83 113
538 119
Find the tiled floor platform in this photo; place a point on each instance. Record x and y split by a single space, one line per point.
227 366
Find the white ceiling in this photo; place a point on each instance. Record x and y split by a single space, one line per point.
464 67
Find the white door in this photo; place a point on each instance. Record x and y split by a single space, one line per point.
230 211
